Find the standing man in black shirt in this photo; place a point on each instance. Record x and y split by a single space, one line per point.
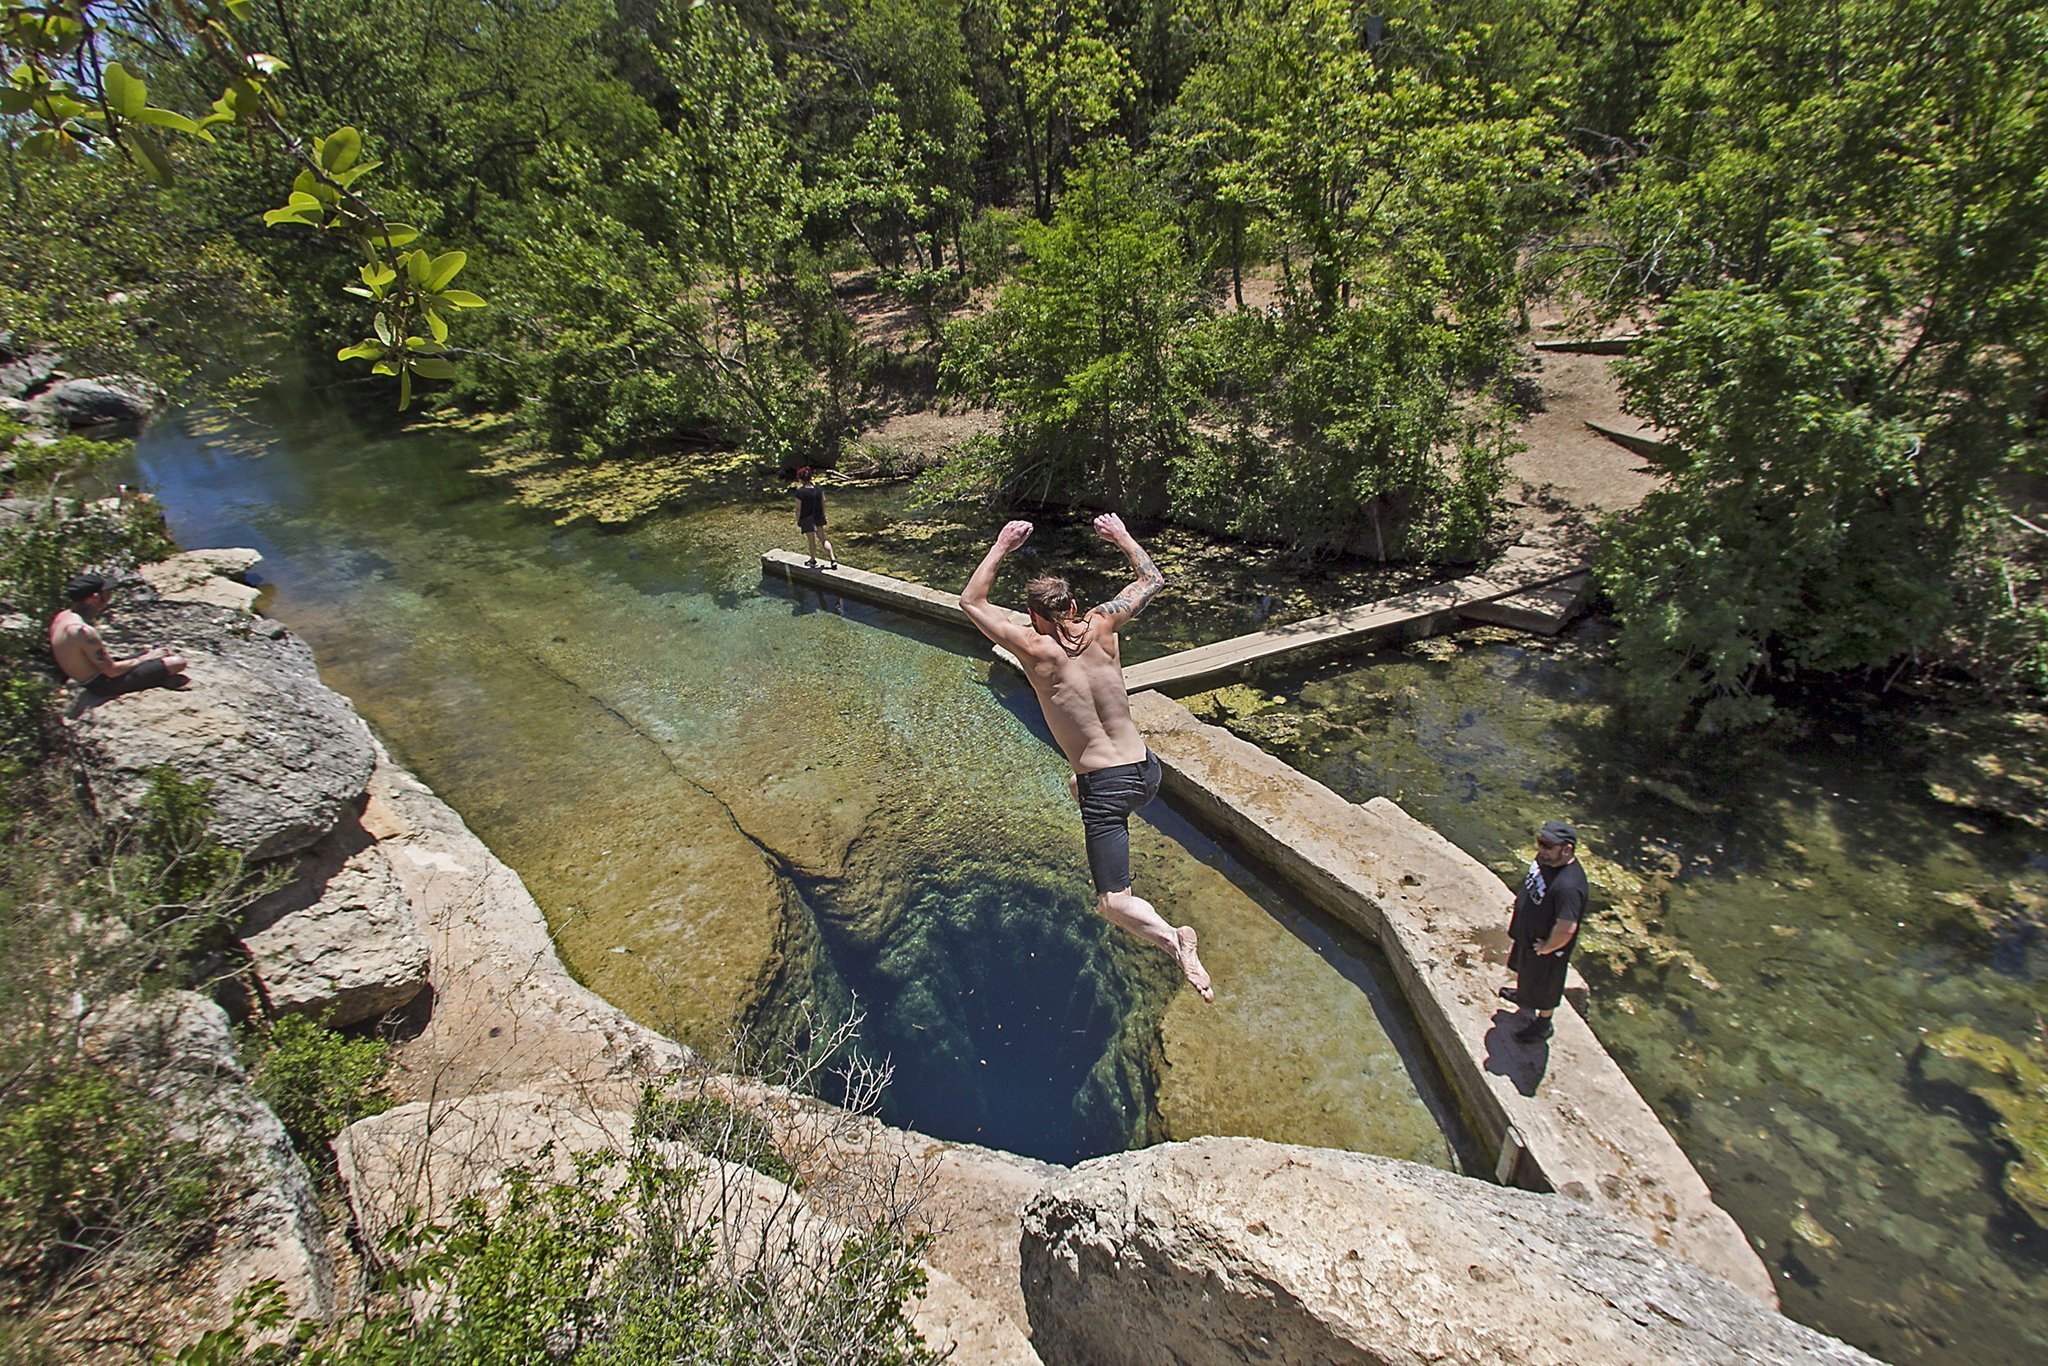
1543 925
810 518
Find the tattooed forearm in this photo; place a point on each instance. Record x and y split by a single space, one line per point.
1132 600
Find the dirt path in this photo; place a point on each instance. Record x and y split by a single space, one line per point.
1569 477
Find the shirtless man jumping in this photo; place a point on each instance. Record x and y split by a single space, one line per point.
1075 666
84 657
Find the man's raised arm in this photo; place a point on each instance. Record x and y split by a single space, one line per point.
989 619
1127 604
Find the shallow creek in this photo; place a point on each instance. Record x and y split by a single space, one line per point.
738 802
1782 928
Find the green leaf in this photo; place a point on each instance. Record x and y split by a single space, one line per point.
362 350
239 9
432 367
339 150
461 298
354 173
444 268
436 326
418 266
153 159
404 390
267 64
171 119
14 101
288 214
382 327
384 367
376 274
126 93
395 235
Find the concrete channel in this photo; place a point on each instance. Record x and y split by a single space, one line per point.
1556 1116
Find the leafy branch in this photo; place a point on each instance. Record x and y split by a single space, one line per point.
66 102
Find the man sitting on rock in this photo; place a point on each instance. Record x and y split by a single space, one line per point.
84 657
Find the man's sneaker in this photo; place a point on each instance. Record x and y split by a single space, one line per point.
1536 1031
1511 996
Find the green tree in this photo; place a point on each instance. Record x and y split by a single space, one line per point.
1909 134
1362 409
1813 509
1063 75
78 82
1087 353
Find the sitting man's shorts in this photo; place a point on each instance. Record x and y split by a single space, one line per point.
1108 797
148 674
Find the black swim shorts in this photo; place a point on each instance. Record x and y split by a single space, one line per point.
1108 797
150 673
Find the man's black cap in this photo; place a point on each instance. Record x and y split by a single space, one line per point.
85 585
1557 832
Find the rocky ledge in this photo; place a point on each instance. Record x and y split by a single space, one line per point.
1216 1250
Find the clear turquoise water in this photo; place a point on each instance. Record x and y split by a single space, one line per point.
735 802
599 705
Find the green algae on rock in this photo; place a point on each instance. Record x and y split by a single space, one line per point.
2014 1082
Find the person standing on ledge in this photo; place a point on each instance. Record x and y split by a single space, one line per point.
84 657
1543 925
810 518
1075 665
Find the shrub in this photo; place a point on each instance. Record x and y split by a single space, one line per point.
319 1081
716 1126
86 1162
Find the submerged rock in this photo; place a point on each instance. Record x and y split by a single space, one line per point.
2014 1083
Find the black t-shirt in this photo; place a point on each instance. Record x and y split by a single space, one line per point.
810 505
1548 895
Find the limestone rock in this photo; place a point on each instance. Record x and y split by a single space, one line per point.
24 375
106 401
271 1229
969 1198
285 756
208 576
507 1014
338 942
1229 1250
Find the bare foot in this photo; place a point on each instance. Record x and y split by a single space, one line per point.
1191 966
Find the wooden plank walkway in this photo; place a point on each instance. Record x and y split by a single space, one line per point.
1406 615
1520 580
1543 611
